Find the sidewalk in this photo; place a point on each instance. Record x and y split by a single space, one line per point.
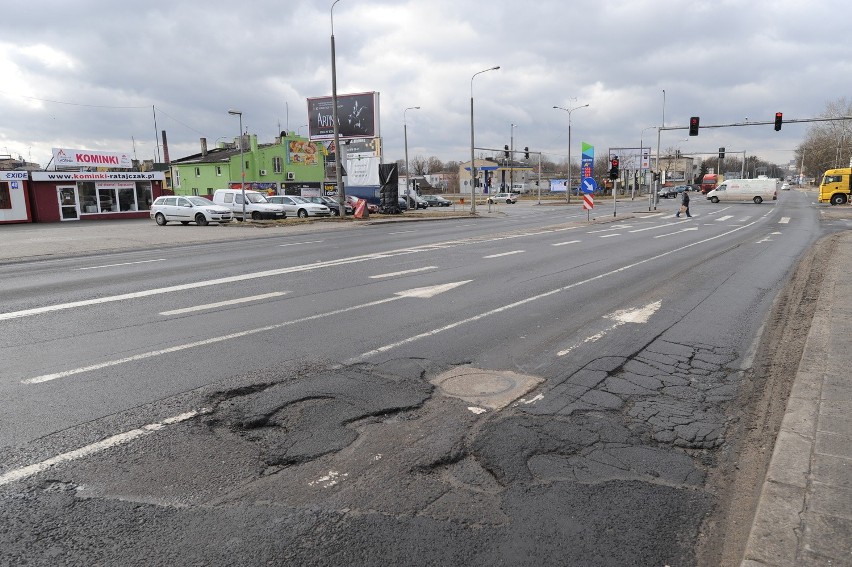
804 517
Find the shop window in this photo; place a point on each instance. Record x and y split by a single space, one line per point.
126 199
107 200
143 196
5 197
88 197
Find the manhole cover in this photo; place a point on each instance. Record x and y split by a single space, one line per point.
488 388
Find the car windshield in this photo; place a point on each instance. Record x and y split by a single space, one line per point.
299 199
201 201
255 198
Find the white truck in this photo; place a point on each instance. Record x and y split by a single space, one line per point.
757 190
256 205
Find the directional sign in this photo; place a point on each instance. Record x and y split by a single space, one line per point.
588 202
589 185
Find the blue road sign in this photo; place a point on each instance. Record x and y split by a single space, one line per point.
589 186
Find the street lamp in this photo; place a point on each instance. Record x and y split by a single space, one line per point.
569 111
341 196
233 112
405 134
299 129
472 167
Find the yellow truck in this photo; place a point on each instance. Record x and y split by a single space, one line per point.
836 186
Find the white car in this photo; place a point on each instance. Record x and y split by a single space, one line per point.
188 209
508 198
300 206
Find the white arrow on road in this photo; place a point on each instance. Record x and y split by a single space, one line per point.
422 292
637 316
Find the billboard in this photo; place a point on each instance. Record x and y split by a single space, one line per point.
358 116
68 157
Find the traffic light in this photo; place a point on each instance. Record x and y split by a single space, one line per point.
526 152
693 126
721 153
506 151
778 119
613 170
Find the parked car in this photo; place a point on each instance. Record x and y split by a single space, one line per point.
437 201
256 205
403 204
669 192
508 198
300 207
353 202
185 210
332 204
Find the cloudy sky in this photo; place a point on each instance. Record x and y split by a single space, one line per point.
93 74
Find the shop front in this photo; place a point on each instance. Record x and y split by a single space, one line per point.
71 196
14 205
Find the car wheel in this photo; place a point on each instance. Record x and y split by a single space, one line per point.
302 214
714 199
256 215
200 219
508 201
758 200
838 199
335 212
161 219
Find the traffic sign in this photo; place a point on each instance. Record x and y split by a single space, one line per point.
589 185
588 202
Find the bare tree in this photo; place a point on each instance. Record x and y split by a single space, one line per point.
827 144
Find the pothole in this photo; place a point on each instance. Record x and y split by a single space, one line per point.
492 389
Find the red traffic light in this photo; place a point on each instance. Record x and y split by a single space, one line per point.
614 162
779 118
693 126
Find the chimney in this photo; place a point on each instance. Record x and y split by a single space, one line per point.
166 159
203 147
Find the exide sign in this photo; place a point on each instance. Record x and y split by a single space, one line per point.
65 157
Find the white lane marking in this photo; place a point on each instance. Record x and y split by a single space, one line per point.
609 235
655 227
391 346
329 480
404 272
223 303
477 410
505 254
533 400
639 316
784 220
301 243
566 242
676 232
724 218
265 274
402 232
424 292
610 229
123 264
109 442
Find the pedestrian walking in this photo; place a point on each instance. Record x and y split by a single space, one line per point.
684 205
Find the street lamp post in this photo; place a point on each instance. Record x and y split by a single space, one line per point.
405 134
472 167
569 111
233 112
512 158
341 196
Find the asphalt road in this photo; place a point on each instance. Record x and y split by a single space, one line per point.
526 388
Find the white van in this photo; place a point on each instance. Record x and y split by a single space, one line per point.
257 207
757 190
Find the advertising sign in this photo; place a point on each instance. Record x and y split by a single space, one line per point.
67 157
301 152
358 116
587 162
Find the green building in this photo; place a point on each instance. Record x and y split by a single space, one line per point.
292 165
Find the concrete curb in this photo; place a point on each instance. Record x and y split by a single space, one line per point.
811 466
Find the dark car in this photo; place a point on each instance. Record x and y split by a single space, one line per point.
437 201
670 192
331 204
